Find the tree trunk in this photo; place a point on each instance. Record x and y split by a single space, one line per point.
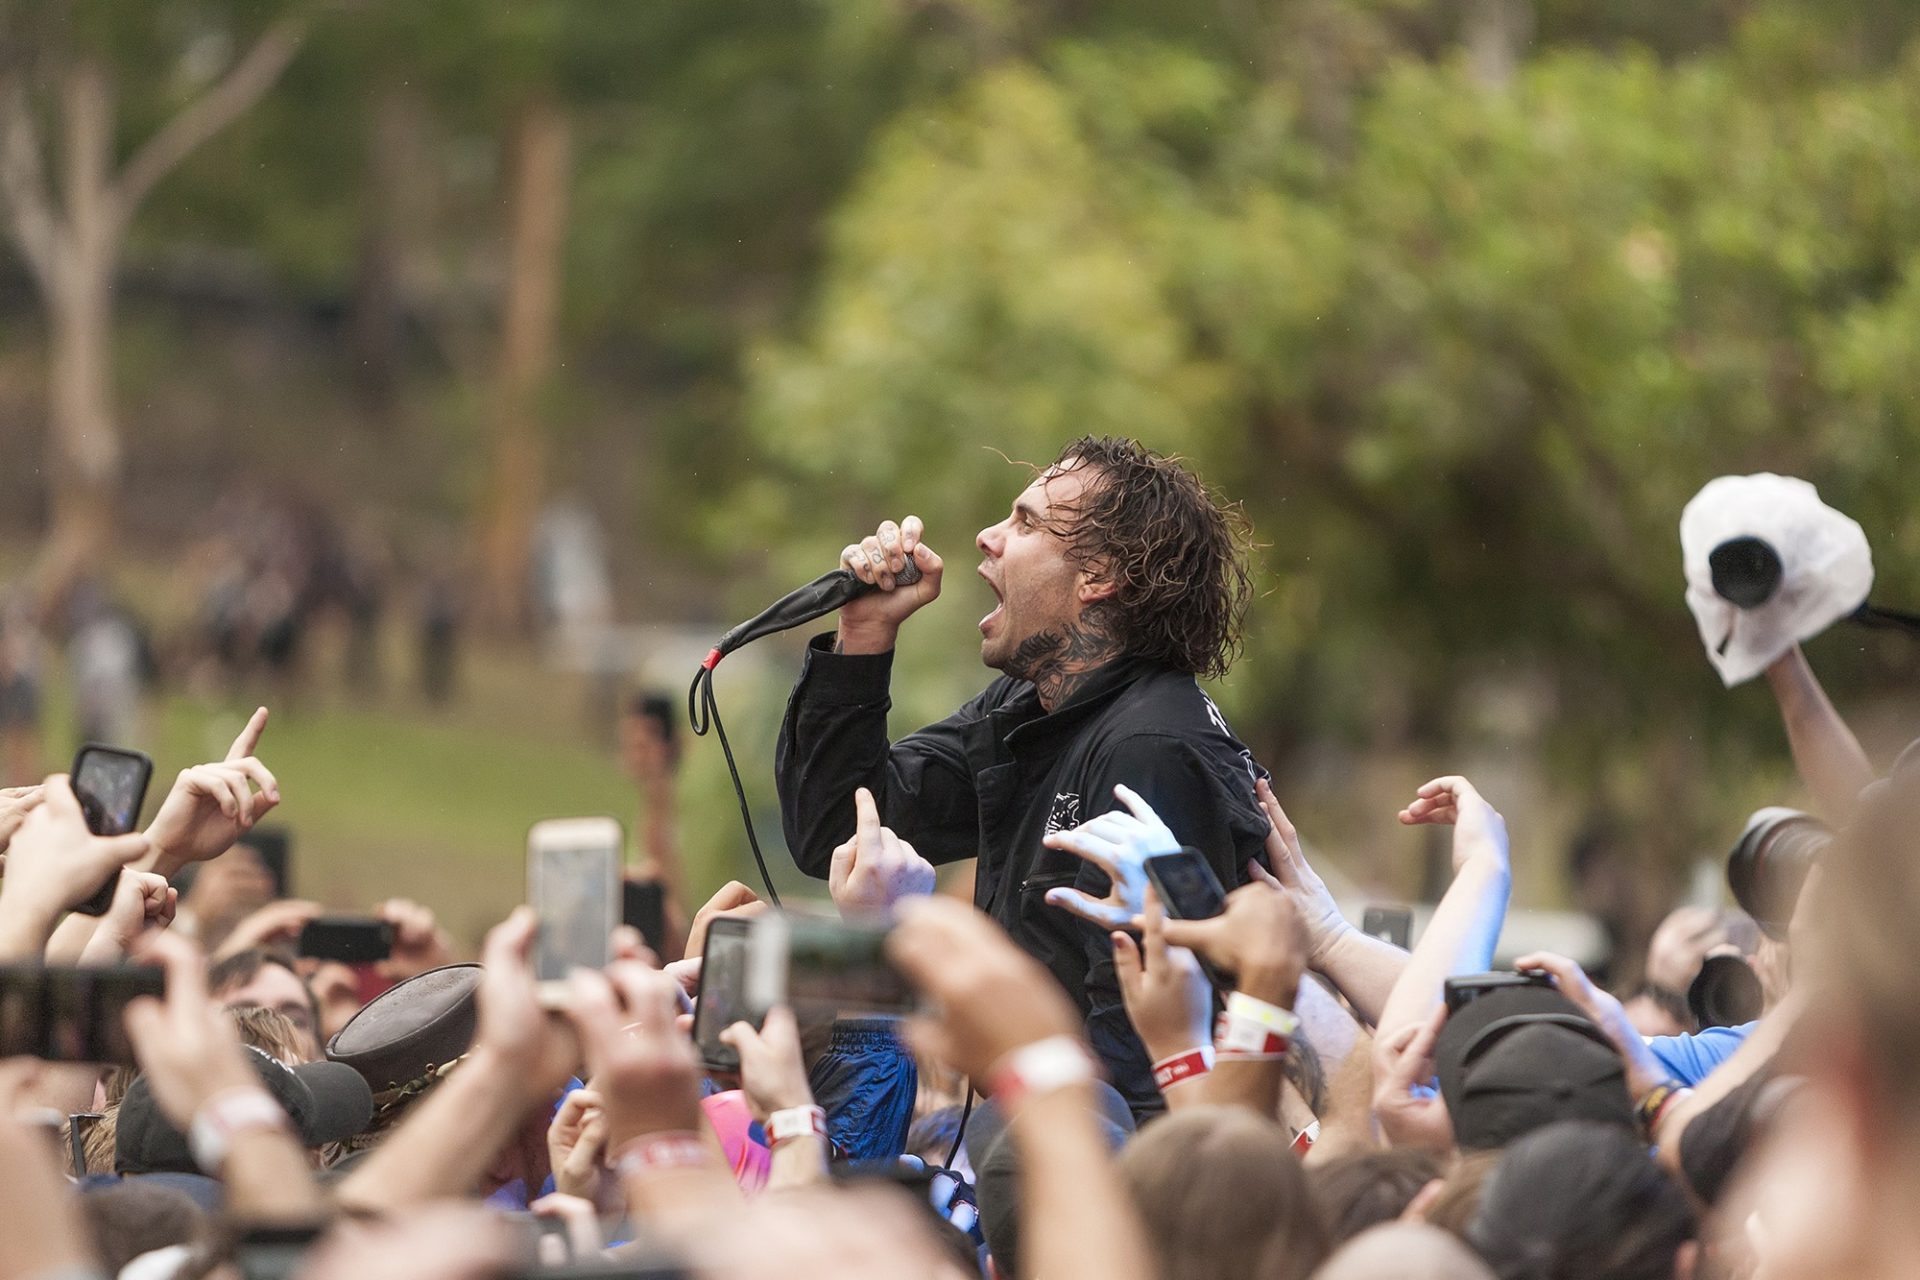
1496 32
541 154
84 440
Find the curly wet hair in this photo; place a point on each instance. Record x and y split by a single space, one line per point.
1176 553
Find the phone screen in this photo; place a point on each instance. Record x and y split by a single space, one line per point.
68 1014
573 882
722 998
1187 887
111 785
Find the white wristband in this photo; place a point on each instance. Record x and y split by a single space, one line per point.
1057 1062
796 1122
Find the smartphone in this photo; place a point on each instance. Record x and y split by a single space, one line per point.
821 965
68 1014
1189 890
573 884
1389 924
349 939
721 999
1467 988
643 906
1186 885
111 785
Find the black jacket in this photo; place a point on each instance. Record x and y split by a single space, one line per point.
997 775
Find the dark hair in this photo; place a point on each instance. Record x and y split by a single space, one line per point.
242 967
1580 1200
1222 1197
1366 1188
1175 554
136 1217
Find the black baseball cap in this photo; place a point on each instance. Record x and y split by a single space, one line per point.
1519 1058
324 1101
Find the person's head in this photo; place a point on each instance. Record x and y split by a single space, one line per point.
1114 549
1366 1188
648 745
1519 1058
995 1159
1222 1197
267 980
136 1217
271 1032
1404 1251
1583 1200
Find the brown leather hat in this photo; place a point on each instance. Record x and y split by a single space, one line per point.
403 1035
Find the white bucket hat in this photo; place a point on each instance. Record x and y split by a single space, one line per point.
1768 565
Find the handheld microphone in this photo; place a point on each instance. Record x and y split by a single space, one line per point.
821 596
818 598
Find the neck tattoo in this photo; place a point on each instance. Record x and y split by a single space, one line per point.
1059 662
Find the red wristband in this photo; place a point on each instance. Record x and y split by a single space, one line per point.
655 1152
1174 1068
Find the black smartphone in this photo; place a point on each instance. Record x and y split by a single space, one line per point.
1389 924
1465 989
643 906
721 999
349 939
111 785
820 965
1186 885
1189 890
68 1014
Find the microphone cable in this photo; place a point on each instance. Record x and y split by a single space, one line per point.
703 709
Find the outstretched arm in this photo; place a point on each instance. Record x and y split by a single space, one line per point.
1825 751
1466 925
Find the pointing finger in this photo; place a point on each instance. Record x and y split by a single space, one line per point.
249 739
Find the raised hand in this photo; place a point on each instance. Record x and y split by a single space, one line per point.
278 924
1294 876
1119 844
875 868
1259 939
211 806
15 804
577 1144
869 623
1478 828
643 1066
188 1047
733 899
513 1026
1168 998
1410 1114
773 1074
54 863
142 903
990 996
1643 1070
419 943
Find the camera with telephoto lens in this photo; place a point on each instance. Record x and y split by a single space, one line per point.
1770 863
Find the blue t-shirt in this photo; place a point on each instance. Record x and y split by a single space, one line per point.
1691 1059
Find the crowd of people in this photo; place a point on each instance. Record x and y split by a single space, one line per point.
1088 1086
